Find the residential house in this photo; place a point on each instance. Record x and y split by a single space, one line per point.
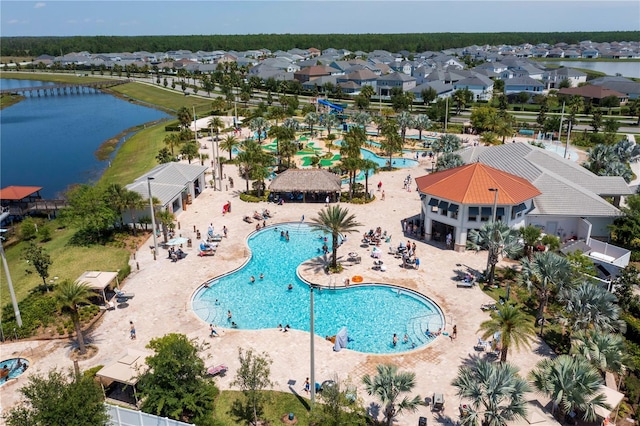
553 78
308 73
523 84
444 90
630 88
479 85
361 78
593 94
387 82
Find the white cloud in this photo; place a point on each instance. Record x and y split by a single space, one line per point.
39 5
99 21
12 21
72 21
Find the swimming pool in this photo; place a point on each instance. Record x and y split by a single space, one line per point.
16 367
371 313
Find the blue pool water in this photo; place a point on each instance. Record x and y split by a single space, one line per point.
14 369
371 313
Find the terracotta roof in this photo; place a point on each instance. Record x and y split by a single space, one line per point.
16 193
470 184
590 91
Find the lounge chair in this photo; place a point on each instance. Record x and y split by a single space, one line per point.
247 219
466 284
122 295
217 370
214 238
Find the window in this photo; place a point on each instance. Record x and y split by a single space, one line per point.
443 206
518 211
453 211
485 214
433 202
500 213
473 214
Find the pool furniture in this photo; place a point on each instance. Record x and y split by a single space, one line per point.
220 370
122 295
466 284
437 402
356 279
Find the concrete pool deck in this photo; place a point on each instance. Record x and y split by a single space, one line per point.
163 291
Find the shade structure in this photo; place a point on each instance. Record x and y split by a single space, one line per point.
177 241
98 280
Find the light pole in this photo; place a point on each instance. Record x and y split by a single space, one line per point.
14 301
312 374
495 202
153 218
494 247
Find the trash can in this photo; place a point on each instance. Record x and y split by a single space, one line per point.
189 243
422 421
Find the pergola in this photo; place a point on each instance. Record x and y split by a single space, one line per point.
98 281
126 370
306 185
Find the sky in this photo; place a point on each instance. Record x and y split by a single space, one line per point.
160 17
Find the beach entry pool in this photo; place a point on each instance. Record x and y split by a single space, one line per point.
12 368
372 313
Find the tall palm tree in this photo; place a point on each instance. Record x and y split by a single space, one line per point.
184 117
514 327
133 202
605 351
449 161
165 218
545 274
571 383
291 123
351 153
405 121
229 143
367 91
499 239
388 386
172 140
259 124
530 236
496 393
69 295
591 306
310 120
369 167
392 142
361 118
337 221
216 124
421 122
276 113
330 121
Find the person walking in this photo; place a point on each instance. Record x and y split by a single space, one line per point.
382 195
307 385
132 330
379 185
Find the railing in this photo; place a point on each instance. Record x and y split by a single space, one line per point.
121 416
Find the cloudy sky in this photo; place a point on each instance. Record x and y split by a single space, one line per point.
158 17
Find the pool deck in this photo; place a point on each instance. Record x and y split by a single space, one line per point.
163 292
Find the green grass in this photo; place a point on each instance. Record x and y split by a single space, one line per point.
8 100
161 97
277 405
67 262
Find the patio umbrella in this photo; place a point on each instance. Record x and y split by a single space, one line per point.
177 241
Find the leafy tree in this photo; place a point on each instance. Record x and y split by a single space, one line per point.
514 327
446 144
361 102
449 160
496 393
625 285
252 377
337 221
184 115
544 275
483 118
571 383
368 91
399 101
596 120
530 236
605 351
69 295
87 206
259 125
428 95
564 84
28 229
388 386
164 156
392 142
36 256
339 407
499 240
462 98
60 399
310 119
175 385
591 306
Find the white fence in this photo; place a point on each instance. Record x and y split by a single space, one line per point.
125 417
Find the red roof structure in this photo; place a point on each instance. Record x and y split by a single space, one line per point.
17 193
591 92
469 184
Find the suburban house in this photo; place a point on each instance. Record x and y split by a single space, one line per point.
593 94
363 77
620 84
443 90
386 83
523 84
175 185
553 78
312 72
479 85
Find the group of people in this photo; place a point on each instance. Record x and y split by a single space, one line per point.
284 235
284 329
405 339
176 255
375 237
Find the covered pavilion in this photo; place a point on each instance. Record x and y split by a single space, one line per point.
306 185
125 372
98 281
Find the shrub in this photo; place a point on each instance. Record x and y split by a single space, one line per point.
251 198
36 310
45 233
28 229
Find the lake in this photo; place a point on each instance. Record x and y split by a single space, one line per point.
627 69
50 141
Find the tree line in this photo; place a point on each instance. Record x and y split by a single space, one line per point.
412 42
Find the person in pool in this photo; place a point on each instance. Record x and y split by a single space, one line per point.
290 287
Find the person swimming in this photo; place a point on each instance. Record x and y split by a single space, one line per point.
261 276
252 279
290 287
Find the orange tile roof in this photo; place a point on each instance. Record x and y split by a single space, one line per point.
470 184
16 193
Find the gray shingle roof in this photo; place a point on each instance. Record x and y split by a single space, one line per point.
169 180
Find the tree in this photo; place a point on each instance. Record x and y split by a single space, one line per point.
388 386
361 119
190 150
484 118
571 383
184 116
361 102
216 124
499 240
310 120
496 393
337 221
165 219
164 156
133 201
60 399
530 236
605 351
405 121
596 120
591 306
421 123
87 206
330 121
392 141
449 160
399 101
229 143
259 125
69 295
28 229
462 97
39 259
514 328
428 95
175 385
545 274
339 407
172 140
252 377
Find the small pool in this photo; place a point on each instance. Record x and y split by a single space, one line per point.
14 366
559 148
372 313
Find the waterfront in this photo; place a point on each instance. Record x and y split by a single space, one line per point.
627 69
51 141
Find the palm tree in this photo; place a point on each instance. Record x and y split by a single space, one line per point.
165 218
184 117
499 239
259 124
591 306
276 113
421 122
310 120
530 236
367 91
133 202
361 118
291 123
571 383
337 221
392 142
544 274
369 167
449 161
69 295
172 140
514 327
388 386
496 393
330 121
605 351
228 144
216 124
351 153
405 121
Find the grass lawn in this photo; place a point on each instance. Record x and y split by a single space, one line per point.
66 262
277 405
166 99
8 100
